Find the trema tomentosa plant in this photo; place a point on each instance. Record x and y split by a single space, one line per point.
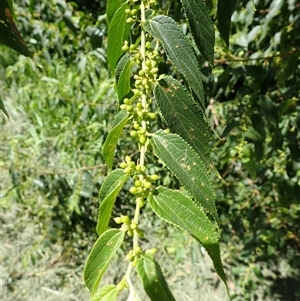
140 35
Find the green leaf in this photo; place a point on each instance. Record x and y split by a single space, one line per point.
101 254
111 7
201 26
183 116
10 35
176 208
112 138
123 82
2 107
106 293
179 51
225 10
120 66
153 279
269 109
107 195
118 31
185 163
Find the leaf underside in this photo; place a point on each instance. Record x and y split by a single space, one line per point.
153 279
106 293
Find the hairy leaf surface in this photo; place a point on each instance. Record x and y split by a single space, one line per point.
201 26
183 116
106 293
112 138
179 51
178 209
101 254
184 162
123 83
118 31
153 279
107 195
111 8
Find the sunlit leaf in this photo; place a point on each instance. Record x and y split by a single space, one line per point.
101 254
118 32
123 80
178 209
183 116
111 7
153 279
185 163
106 293
111 141
179 51
107 195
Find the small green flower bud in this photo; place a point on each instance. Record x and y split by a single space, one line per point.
123 165
154 70
142 139
147 185
125 219
129 20
132 46
138 168
127 11
133 190
130 232
140 233
133 12
127 159
154 177
136 126
133 226
131 164
133 134
127 101
141 72
142 131
127 170
137 183
118 220
151 251
148 45
137 82
123 106
125 48
152 115
129 108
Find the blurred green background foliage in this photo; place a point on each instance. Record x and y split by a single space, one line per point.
52 167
